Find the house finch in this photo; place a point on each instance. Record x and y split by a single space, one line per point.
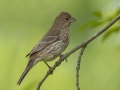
53 43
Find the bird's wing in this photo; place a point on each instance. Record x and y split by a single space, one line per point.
47 40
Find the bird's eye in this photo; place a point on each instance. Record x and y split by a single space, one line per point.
66 18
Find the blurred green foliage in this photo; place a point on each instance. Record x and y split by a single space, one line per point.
24 22
102 19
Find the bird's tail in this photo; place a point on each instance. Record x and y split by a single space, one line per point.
29 66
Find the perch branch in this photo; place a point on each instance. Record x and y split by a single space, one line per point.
76 48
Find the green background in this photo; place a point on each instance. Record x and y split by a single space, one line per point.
24 22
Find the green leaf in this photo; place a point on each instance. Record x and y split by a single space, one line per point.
98 14
118 11
96 24
85 25
115 29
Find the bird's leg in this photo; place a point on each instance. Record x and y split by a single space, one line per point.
49 68
47 65
65 58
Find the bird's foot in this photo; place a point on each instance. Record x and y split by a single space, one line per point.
61 55
50 70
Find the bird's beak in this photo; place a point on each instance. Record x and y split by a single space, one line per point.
72 19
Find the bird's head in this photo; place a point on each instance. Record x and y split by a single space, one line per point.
64 19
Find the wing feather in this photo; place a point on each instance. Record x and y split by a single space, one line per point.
47 40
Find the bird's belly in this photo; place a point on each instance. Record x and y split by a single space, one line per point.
53 51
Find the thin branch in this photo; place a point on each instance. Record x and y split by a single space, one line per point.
78 67
76 48
50 71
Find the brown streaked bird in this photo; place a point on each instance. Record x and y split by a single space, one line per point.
53 43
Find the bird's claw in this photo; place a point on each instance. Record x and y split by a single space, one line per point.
50 71
65 58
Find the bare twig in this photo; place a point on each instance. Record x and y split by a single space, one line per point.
78 67
76 48
50 71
